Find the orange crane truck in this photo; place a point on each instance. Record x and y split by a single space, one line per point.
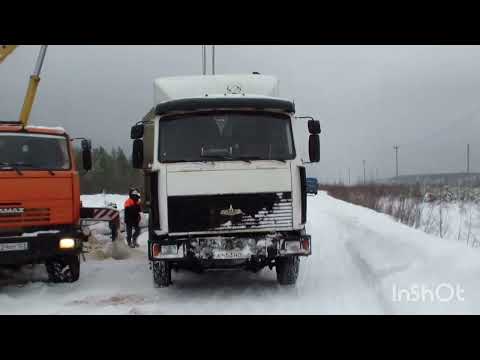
40 208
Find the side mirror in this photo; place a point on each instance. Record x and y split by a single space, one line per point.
87 155
86 145
314 127
136 132
314 148
137 154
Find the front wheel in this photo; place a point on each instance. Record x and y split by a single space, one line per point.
63 269
287 270
162 273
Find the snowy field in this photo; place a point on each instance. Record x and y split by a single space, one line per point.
361 263
457 220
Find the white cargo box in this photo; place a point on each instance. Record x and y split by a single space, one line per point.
183 87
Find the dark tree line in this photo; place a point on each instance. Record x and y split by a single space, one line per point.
112 172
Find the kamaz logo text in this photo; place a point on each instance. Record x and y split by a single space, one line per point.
11 211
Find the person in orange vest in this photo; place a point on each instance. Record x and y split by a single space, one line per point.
132 217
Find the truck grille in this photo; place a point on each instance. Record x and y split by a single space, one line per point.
15 214
231 212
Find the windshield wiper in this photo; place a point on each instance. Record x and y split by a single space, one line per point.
224 157
216 157
250 158
13 166
281 160
16 167
247 159
50 171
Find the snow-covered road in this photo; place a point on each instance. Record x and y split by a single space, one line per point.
360 262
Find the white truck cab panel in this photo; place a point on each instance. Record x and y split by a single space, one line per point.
184 87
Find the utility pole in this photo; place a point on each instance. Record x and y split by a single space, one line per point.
396 160
204 59
468 158
364 174
213 59
349 182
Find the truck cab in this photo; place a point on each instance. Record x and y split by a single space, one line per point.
40 200
225 184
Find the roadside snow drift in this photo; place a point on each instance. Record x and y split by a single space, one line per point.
102 200
363 262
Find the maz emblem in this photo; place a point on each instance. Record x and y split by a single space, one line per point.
231 212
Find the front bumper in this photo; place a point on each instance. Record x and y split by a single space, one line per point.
238 248
37 247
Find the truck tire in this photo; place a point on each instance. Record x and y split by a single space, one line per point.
287 270
63 269
162 273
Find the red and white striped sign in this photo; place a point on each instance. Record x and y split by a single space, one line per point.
99 214
105 214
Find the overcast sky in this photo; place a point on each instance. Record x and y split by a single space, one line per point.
368 98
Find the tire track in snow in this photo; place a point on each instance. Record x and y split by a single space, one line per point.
348 229
360 242
369 277
331 271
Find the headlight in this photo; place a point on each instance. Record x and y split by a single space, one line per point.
67 243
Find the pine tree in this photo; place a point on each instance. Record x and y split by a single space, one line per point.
112 172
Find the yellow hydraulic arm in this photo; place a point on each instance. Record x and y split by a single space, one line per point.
6 50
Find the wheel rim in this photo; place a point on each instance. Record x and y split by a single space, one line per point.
62 272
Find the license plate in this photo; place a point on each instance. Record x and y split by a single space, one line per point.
13 247
229 255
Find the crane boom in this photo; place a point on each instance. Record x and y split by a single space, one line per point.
6 50
29 99
32 87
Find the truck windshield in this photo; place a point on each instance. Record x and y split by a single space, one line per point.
224 136
33 152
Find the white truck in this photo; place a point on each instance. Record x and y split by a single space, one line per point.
225 185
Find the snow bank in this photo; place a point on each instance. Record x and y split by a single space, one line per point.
402 264
102 200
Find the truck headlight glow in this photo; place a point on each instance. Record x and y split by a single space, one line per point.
67 243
